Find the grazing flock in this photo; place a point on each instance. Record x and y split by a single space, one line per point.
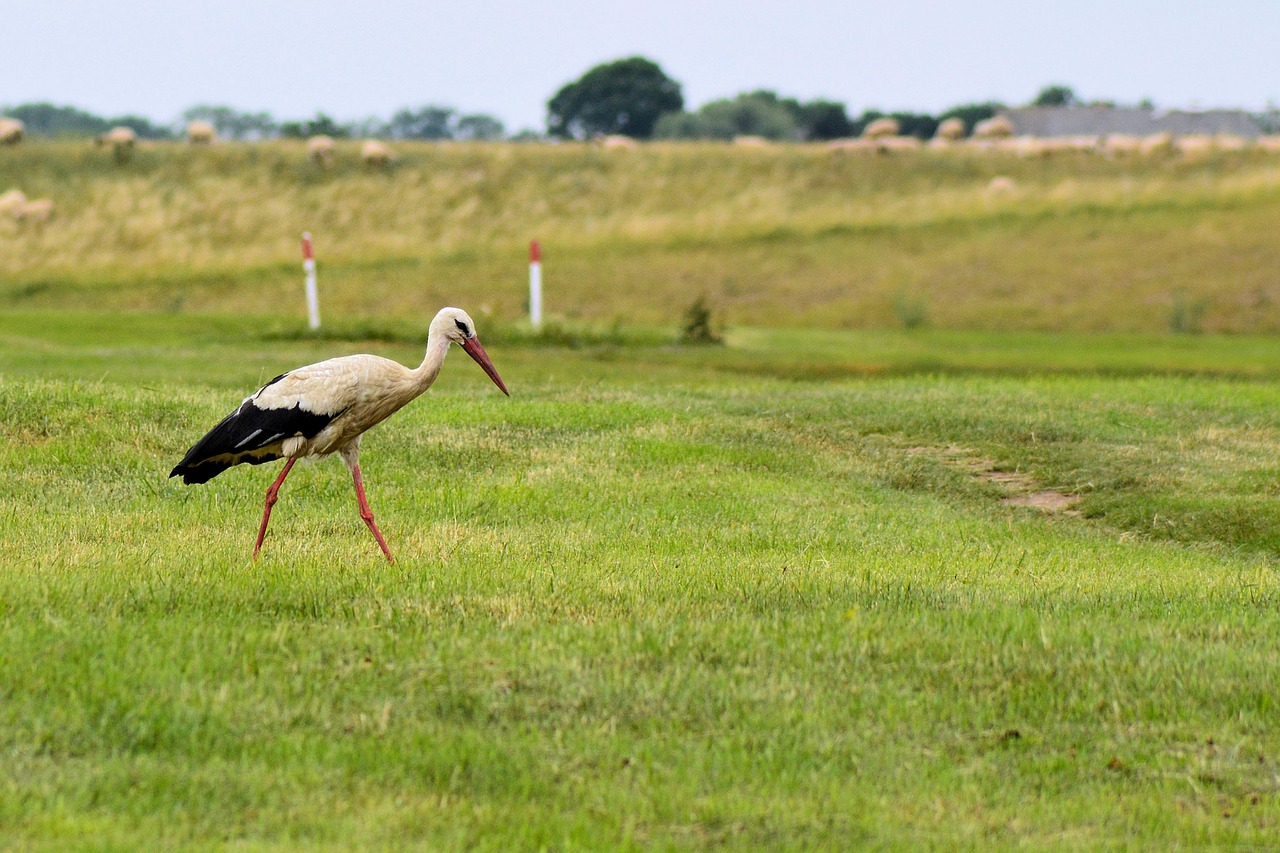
122 141
882 136
997 134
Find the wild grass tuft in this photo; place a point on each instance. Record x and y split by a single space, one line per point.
697 325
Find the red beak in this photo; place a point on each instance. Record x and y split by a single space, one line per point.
473 349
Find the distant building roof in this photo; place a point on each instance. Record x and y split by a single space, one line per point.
1135 121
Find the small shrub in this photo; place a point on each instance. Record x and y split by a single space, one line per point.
1185 314
912 311
697 324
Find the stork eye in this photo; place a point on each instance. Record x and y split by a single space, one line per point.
462 327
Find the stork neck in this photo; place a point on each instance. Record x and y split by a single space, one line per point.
426 373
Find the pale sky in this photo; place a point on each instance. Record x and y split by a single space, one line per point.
505 58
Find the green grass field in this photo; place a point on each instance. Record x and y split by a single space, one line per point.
772 594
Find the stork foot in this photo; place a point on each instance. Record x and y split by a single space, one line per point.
367 515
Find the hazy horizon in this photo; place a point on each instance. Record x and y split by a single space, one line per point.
295 59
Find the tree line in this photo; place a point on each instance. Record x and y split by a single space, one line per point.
631 97
428 122
635 97
759 113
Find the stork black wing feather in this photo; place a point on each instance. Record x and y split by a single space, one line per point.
249 434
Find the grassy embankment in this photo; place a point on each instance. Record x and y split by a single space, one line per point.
765 595
780 237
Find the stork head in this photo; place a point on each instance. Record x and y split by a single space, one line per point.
458 327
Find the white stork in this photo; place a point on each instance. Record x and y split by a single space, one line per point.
326 407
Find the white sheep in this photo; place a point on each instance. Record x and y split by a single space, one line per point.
1229 142
619 142
375 153
1001 186
856 146
1270 144
39 210
996 127
320 149
121 140
1084 143
893 144
1122 144
748 141
881 128
1194 145
1051 145
950 130
11 131
201 133
1021 146
118 137
11 202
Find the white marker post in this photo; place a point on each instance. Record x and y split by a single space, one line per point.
535 285
309 267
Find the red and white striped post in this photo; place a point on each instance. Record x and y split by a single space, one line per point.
535 285
309 267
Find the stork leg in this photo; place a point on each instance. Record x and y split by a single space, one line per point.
350 455
367 514
271 501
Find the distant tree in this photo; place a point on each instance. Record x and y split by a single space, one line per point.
1268 119
1055 96
919 125
232 123
759 113
479 127
320 125
427 122
624 97
45 119
697 125
434 122
369 127
772 99
824 120
764 113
